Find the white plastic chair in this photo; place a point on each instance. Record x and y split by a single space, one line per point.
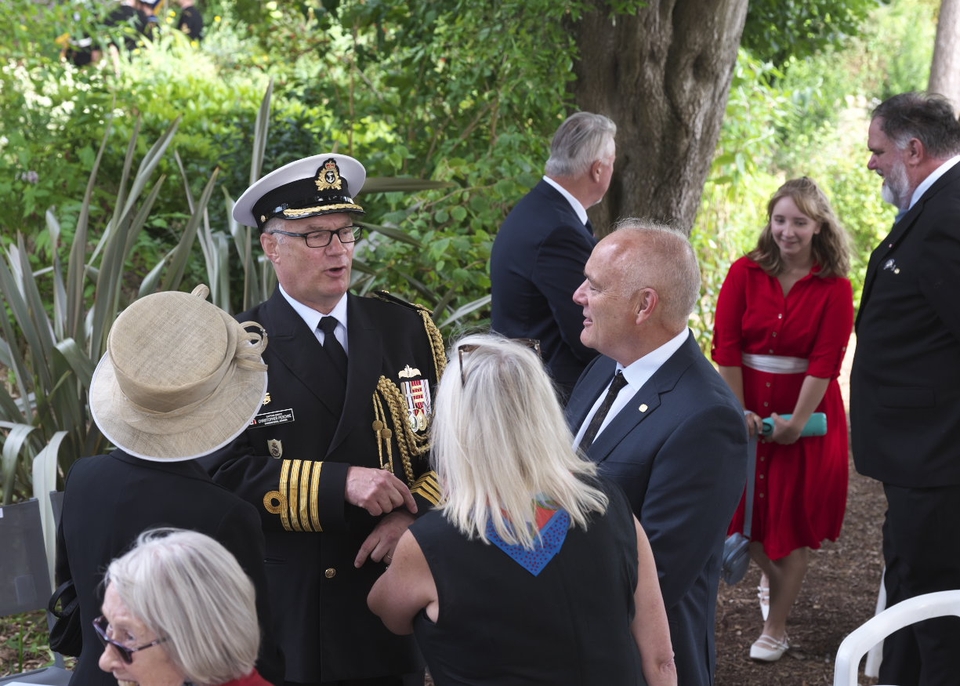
875 629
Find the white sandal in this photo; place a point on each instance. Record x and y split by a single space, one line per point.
763 593
768 649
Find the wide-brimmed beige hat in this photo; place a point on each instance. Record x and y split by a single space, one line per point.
180 378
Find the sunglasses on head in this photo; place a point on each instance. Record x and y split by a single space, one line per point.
467 348
100 625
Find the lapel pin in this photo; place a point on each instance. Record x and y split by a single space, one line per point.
643 407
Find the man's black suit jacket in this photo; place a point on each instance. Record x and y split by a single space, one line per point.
536 265
679 451
109 500
905 380
292 463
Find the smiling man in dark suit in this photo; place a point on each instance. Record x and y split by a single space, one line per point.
670 432
336 461
538 255
905 381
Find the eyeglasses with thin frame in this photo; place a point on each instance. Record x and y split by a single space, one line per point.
100 625
467 348
321 238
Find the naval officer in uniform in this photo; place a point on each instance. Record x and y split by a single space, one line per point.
336 461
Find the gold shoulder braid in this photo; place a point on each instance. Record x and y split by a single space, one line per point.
433 333
391 409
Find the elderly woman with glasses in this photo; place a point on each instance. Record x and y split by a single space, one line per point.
532 570
179 611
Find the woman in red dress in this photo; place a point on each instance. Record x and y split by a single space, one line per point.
783 321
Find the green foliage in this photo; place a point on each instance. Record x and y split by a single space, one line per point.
807 117
25 640
459 98
741 180
777 30
49 351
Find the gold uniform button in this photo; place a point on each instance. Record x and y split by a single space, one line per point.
330 573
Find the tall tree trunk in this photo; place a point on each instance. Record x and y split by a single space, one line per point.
663 75
945 71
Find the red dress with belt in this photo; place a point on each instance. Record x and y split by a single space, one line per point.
801 489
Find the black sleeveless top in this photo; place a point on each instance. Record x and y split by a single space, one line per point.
499 624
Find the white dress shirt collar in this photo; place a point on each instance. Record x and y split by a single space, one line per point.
636 374
312 318
929 181
574 203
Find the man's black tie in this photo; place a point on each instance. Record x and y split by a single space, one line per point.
330 343
618 382
589 227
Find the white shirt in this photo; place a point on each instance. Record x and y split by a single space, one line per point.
636 374
574 203
312 318
934 175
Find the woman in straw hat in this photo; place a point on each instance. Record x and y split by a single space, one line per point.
532 571
180 379
178 609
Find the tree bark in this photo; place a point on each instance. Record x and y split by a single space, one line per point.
663 75
945 70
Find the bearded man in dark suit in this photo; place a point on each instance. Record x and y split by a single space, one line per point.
671 433
905 381
336 461
538 255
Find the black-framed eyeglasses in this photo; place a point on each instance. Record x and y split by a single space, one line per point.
321 238
100 625
467 348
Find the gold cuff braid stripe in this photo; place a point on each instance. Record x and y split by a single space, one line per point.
298 499
427 486
433 333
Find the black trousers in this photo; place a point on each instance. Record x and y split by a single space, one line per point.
921 548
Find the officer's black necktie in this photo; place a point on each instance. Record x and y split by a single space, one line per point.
589 227
618 382
338 357
330 343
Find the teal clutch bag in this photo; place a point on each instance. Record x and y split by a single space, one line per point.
816 425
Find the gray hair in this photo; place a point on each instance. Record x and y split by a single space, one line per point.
663 260
500 442
580 141
187 587
928 117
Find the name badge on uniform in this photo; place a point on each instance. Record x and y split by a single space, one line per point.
272 418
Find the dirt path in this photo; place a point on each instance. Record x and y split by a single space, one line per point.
838 595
